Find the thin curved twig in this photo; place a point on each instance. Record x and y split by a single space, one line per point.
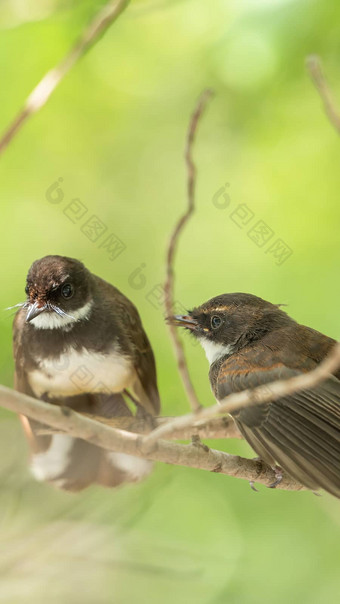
172 247
42 92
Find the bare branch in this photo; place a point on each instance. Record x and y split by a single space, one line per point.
42 92
314 67
217 427
169 282
193 456
256 396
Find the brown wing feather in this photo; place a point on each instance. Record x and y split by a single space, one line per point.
301 432
145 386
135 341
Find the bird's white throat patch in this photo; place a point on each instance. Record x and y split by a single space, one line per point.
51 320
214 351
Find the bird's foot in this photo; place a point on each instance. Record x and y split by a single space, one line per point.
278 477
252 486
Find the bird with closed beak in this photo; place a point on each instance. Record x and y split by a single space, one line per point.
79 342
249 342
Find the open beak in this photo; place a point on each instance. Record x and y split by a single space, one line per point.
183 321
34 310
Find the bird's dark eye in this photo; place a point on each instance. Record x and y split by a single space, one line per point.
67 290
215 321
27 290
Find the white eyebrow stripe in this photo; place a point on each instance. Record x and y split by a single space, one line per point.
52 320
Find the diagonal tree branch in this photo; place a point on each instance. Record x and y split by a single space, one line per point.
41 93
261 394
216 427
169 283
194 455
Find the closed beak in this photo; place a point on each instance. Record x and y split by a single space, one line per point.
34 310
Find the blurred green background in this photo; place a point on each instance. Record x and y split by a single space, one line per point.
114 131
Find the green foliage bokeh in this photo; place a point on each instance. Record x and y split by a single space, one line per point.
114 131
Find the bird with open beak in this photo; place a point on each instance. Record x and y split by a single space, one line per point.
249 342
